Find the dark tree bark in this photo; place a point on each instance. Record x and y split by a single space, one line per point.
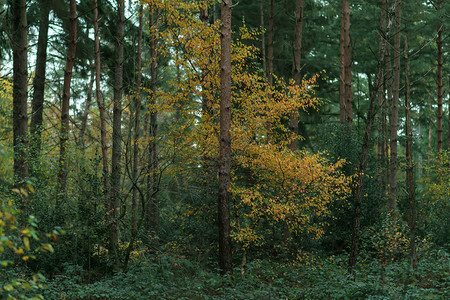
152 210
296 73
439 85
382 143
393 118
225 249
101 108
345 65
263 38
20 76
358 193
270 45
37 104
85 114
410 165
137 124
64 138
117 136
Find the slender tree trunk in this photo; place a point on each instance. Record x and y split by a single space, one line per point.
64 138
152 216
410 164
20 77
137 125
84 117
263 38
37 104
358 194
296 73
270 45
381 147
101 108
117 135
439 86
225 249
345 62
394 115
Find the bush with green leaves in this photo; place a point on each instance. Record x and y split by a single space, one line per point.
19 243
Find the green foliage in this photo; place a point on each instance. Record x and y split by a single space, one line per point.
308 277
19 242
434 207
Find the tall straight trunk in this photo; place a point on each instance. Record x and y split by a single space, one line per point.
152 210
439 86
225 249
345 71
85 114
410 164
37 104
20 77
64 135
270 45
393 119
296 73
263 38
101 108
358 193
117 135
381 146
137 124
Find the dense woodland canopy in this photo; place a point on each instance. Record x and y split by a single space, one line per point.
221 149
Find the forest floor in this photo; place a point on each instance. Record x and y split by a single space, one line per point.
309 277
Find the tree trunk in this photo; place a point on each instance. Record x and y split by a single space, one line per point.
101 108
37 104
152 213
381 147
410 165
439 85
270 45
358 194
137 125
296 74
225 249
117 136
64 138
20 77
345 62
84 117
263 38
394 115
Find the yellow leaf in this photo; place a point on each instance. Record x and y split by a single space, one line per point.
19 251
8 287
25 258
26 242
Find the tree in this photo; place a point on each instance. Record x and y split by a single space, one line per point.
101 106
37 103
64 135
439 83
410 163
115 196
297 64
137 112
270 43
152 209
393 117
225 250
345 65
20 75
358 193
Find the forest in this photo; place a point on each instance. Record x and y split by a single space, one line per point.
220 149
